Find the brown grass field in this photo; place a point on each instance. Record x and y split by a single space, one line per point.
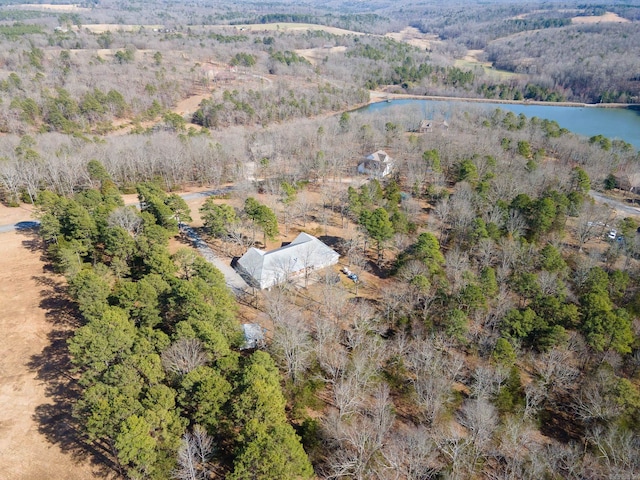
607 17
35 439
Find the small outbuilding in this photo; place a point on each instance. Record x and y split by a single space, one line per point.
304 255
253 336
378 164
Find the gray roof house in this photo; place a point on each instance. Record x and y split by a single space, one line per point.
378 164
427 126
305 254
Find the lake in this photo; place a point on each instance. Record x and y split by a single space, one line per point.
614 123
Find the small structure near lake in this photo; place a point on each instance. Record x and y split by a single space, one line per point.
427 126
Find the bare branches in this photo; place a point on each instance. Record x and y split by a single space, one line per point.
291 345
193 456
184 355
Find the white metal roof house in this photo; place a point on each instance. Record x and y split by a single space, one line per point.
302 256
378 164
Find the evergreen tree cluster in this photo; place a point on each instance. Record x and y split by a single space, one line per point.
156 356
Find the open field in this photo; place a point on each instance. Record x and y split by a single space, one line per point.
608 17
60 8
473 59
314 55
287 27
413 36
35 440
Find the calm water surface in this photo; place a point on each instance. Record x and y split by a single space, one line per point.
614 123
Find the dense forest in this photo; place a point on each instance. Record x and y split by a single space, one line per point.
155 354
493 330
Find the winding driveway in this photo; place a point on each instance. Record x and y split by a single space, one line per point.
233 280
620 207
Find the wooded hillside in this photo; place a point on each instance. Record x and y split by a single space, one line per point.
484 320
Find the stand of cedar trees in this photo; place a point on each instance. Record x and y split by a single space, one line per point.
163 391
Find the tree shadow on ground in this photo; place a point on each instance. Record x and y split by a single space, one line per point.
54 369
33 243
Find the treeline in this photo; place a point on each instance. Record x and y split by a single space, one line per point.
382 62
59 112
275 104
516 91
59 163
164 392
18 29
362 22
19 15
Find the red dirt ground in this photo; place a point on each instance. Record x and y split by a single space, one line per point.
36 441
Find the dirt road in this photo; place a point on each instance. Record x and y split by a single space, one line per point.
623 209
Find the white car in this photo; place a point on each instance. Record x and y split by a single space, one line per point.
612 234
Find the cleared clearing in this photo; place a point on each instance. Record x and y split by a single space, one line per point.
608 17
36 441
413 36
51 7
314 55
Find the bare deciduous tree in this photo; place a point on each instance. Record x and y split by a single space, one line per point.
411 454
487 381
359 438
549 282
515 224
480 418
193 456
592 222
291 344
555 370
184 355
127 218
457 263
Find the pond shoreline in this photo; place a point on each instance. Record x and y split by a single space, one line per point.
378 97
